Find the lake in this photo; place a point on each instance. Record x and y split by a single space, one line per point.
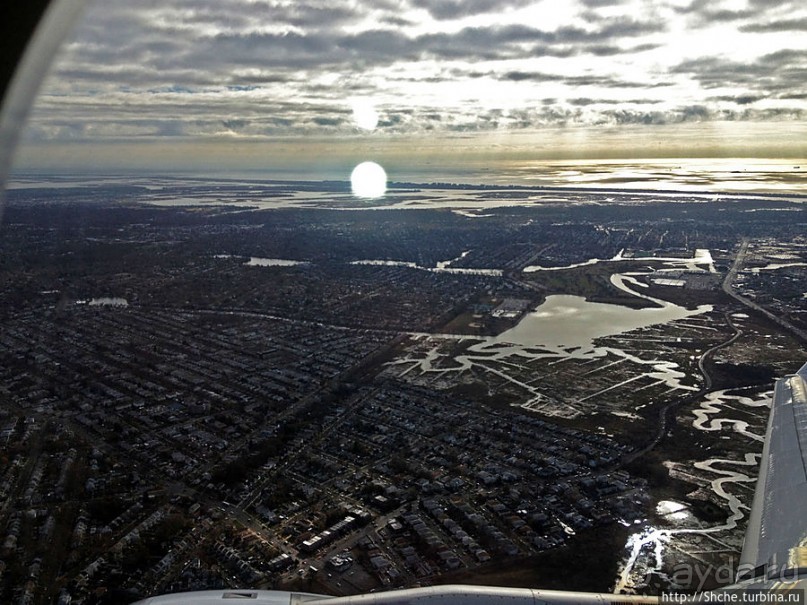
567 321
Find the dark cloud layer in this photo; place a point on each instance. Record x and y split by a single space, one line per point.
773 74
453 9
782 25
321 49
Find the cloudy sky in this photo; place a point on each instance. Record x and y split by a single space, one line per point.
270 84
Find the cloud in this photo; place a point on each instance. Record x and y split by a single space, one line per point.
266 68
209 40
234 124
601 3
739 100
757 15
783 25
454 9
781 72
520 76
586 101
697 113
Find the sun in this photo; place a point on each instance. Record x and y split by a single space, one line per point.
368 180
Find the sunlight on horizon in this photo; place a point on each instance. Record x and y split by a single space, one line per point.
368 180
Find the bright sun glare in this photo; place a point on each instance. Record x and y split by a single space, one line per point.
368 180
364 114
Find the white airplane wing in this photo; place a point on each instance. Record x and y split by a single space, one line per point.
776 538
433 595
226 597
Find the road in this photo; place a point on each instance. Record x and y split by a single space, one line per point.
707 379
707 386
728 288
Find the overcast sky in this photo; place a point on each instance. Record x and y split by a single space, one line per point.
256 82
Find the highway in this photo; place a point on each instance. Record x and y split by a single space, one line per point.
728 288
707 384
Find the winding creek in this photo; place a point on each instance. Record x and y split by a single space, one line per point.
712 414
